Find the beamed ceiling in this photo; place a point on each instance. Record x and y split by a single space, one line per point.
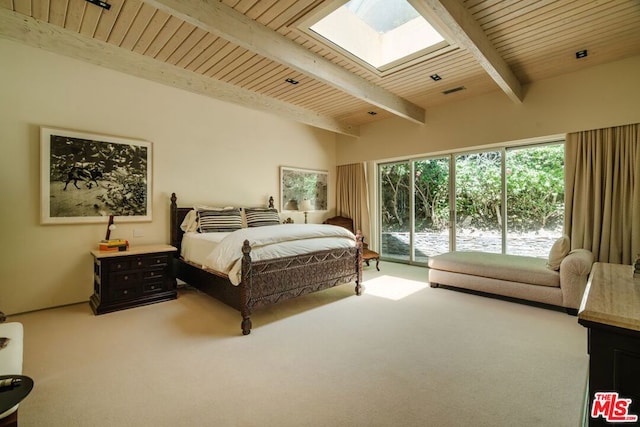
242 51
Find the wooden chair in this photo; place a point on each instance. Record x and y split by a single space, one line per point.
367 254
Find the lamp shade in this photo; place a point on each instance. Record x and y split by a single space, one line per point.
306 206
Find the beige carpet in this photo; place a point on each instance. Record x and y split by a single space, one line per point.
402 354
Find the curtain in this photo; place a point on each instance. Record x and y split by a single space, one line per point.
602 192
353 195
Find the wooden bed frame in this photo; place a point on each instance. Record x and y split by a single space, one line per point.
267 282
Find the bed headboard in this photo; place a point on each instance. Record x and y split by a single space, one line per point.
175 220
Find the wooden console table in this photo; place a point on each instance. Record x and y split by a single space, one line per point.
610 309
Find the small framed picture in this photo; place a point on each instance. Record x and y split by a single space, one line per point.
87 177
303 189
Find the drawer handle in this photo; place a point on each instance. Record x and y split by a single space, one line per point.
153 274
125 292
126 277
157 261
119 266
153 287
139 262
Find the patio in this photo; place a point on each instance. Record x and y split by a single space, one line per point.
395 245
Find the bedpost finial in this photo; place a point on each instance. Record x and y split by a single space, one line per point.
271 205
246 248
174 199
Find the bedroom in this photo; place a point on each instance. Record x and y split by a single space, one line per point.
236 150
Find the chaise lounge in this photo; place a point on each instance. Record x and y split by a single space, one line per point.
559 281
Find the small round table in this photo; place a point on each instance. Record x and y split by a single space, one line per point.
11 396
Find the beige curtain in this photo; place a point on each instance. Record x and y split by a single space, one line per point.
352 198
602 198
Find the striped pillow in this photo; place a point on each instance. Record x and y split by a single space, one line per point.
259 217
212 221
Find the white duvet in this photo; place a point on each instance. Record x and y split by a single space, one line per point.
275 241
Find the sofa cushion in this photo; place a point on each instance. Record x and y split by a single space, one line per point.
513 268
559 250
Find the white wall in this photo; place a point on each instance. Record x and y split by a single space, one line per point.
205 150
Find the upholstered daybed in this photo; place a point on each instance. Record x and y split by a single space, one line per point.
559 281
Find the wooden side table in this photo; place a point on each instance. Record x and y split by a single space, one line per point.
138 276
11 396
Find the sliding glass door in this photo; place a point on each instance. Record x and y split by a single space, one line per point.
395 214
414 209
535 198
507 200
478 190
431 208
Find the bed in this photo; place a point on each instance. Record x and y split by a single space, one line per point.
263 280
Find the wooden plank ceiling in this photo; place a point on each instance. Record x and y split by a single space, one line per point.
243 50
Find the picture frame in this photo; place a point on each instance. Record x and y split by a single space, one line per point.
303 189
86 177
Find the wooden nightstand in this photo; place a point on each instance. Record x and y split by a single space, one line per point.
139 276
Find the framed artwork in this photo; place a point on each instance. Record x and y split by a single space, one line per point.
303 189
87 177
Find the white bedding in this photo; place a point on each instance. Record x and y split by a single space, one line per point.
269 242
197 246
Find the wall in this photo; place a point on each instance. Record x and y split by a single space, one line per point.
597 97
204 150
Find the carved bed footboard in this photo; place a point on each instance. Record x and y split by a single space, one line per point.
270 281
267 282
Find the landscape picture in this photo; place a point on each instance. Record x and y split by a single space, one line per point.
297 185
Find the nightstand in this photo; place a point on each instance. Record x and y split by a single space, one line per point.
139 276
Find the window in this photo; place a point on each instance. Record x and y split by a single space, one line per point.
535 198
382 33
506 200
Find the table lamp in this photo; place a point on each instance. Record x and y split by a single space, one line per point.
306 207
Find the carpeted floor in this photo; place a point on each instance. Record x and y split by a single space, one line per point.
402 354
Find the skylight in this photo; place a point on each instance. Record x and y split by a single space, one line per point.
382 33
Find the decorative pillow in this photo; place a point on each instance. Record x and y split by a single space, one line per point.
217 220
558 251
190 222
259 217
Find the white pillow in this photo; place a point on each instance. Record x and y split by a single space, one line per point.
558 251
190 222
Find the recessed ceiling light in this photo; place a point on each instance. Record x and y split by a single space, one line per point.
292 81
371 113
581 54
435 77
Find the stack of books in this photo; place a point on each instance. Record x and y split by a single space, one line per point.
116 245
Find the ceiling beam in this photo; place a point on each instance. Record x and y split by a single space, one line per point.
24 29
468 34
231 25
